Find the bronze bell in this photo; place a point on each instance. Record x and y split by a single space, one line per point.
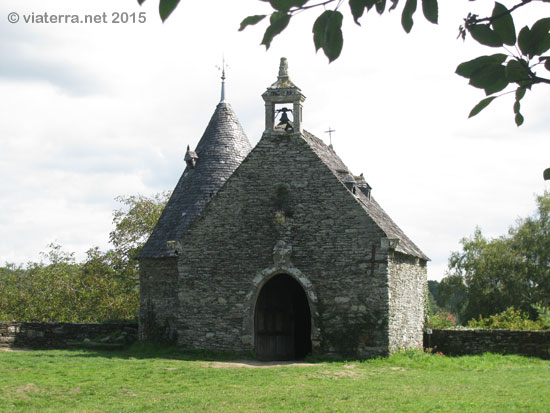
285 120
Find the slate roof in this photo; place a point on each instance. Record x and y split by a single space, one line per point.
220 151
369 204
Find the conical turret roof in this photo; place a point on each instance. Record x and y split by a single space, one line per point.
220 151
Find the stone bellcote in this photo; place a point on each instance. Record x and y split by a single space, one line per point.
282 92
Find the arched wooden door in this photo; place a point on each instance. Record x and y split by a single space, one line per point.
282 320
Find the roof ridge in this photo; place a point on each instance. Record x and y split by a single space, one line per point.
329 157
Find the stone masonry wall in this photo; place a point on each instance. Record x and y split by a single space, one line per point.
283 192
157 299
407 282
62 335
462 342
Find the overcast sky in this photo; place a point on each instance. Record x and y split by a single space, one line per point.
92 111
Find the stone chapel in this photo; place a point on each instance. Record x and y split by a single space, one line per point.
278 250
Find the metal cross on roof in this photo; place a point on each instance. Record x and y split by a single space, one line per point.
329 131
222 68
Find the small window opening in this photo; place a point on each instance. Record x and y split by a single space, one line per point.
284 119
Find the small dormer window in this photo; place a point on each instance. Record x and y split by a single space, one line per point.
367 191
191 158
363 185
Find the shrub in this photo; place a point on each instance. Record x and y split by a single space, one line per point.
62 289
543 315
441 320
509 319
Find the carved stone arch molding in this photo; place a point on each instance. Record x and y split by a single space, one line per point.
257 283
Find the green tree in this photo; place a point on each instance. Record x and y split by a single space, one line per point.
446 302
516 65
543 315
133 223
100 288
60 289
433 303
514 69
453 296
511 270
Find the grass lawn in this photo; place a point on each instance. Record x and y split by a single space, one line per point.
146 379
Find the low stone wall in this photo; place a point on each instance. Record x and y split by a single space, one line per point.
462 342
63 335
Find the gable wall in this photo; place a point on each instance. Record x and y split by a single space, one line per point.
227 253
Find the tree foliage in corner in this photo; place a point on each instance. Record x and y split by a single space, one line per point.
523 54
515 68
166 7
327 28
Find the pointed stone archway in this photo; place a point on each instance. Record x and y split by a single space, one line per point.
282 320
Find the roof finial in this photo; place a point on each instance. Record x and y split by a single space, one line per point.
283 69
222 68
329 131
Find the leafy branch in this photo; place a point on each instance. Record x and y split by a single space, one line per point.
473 19
496 72
327 28
492 73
